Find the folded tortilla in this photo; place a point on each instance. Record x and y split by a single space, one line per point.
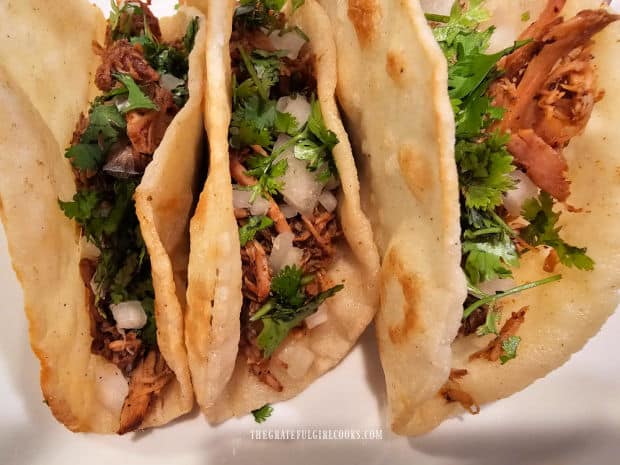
389 66
46 82
223 384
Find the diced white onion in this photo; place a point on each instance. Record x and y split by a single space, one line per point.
112 387
300 189
526 189
299 107
317 318
283 252
496 285
121 102
129 315
328 200
241 199
169 82
288 211
298 360
291 42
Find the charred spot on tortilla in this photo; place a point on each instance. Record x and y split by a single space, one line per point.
418 176
395 66
409 286
285 181
144 85
365 16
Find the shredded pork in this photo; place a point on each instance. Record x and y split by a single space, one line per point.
548 91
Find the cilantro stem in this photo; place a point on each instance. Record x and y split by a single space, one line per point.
252 71
503 224
262 311
437 18
482 232
500 295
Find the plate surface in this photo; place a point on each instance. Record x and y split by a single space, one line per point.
571 417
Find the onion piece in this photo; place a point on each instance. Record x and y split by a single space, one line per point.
111 386
298 106
291 42
121 102
241 199
526 189
298 360
288 211
169 82
300 188
328 200
121 162
283 252
129 315
317 318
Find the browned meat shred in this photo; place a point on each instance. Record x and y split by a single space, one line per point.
145 384
494 349
549 91
146 128
453 392
122 57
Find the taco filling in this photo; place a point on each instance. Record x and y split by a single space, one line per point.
144 84
516 111
285 186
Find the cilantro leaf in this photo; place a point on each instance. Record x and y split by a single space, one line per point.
297 4
543 230
268 170
85 156
316 125
136 98
509 348
148 333
287 286
81 207
487 246
259 13
279 320
490 324
190 35
252 122
484 170
261 414
254 225
105 124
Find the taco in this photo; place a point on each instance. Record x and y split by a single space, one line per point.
533 101
283 269
96 201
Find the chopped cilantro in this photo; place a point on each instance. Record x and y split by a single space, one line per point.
254 225
509 349
543 230
487 246
525 16
135 99
297 4
148 333
287 286
105 125
484 171
261 414
260 13
286 309
268 171
190 35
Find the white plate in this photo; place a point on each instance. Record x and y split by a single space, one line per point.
571 417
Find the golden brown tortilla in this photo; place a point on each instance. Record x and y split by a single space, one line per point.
46 71
221 380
